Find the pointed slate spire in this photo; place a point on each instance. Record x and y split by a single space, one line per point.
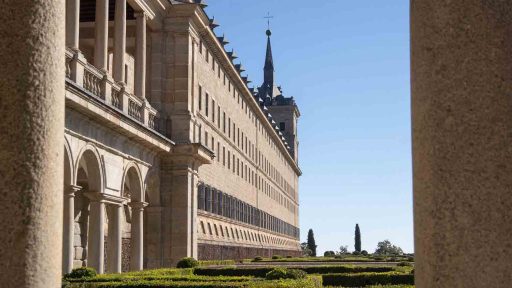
268 69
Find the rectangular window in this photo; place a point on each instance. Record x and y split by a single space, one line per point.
218 151
229 159
207 56
206 138
213 111
282 126
200 47
218 117
224 122
200 102
229 128
224 156
206 100
213 144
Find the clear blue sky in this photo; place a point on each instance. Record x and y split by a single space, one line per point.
347 65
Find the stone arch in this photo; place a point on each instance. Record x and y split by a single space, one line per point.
89 175
89 162
68 213
132 186
69 175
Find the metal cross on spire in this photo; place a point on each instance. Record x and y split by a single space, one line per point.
268 17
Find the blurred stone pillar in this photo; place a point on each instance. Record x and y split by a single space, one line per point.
31 142
462 142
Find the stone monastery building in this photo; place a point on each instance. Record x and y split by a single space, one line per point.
168 152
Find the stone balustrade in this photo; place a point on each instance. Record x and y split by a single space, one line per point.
102 86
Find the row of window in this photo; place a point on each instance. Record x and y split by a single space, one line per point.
217 202
243 170
232 132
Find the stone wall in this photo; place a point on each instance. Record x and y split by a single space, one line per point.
222 252
125 254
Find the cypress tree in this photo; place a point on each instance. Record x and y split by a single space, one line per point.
357 244
311 242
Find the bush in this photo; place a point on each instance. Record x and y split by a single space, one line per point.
410 259
283 273
329 254
364 253
378 258
289 256
187 262
275 257
365 279
82 272
403 264
257 259
338 257
356 253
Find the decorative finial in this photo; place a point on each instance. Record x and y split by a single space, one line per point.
268 17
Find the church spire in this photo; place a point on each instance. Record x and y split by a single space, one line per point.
268 69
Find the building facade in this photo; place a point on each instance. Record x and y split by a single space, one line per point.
168 152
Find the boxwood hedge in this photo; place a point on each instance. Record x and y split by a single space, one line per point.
367 279
262 271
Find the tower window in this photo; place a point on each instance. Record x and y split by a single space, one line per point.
282 126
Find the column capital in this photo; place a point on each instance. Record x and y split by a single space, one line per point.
106 198
138 205
72 189
139 14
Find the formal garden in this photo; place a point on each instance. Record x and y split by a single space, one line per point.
258 273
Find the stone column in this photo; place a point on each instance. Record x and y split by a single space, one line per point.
101 35
114 243
462 123
69 224
137 233
96 236
72 23
31 142
119 40
140 55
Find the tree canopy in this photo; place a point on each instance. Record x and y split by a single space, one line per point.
386 248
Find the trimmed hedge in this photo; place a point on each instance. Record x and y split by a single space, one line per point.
284 273
310 282
366 279
262 271
216 262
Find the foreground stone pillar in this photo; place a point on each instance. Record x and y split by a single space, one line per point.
96 236
462 122
31 142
